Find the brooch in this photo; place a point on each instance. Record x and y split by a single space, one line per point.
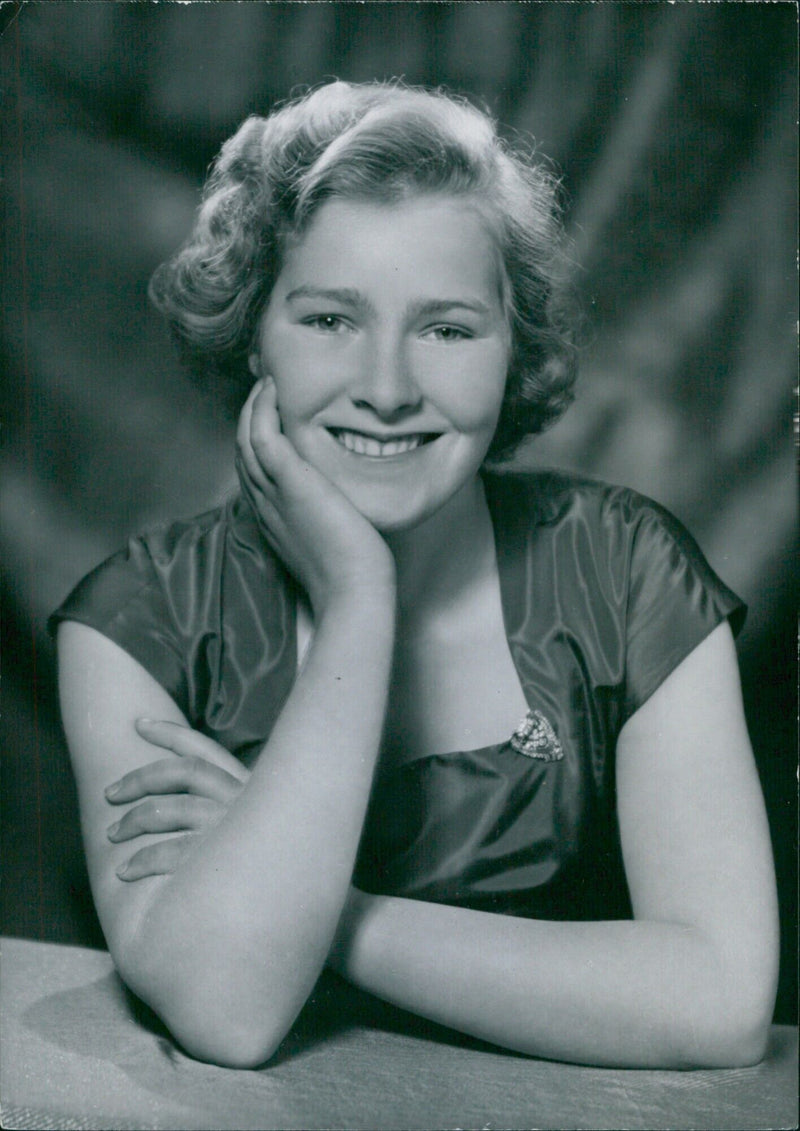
535 738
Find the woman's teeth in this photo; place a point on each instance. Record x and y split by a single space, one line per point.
368 446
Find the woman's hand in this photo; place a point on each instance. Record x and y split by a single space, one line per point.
187 795
325 542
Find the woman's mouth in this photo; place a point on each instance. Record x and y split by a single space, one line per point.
362 444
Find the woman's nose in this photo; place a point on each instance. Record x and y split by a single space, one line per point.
386 383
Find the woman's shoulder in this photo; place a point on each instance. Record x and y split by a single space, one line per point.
165 549
194 538
204 606
167 539
630 538
180 563
606 557
549 497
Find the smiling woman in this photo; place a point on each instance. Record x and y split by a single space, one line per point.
389 352
473 739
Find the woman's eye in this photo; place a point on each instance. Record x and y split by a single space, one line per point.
449 333
330 323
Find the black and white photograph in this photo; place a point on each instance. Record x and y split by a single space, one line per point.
399 540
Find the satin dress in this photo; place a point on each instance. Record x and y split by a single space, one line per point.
603 594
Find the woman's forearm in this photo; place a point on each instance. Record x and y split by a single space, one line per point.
229 946
629 993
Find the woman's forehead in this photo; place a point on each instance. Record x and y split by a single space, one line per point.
438 236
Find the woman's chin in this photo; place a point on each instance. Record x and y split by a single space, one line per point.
392 516
395 516
388 523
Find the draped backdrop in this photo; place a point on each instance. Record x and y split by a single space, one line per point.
673 129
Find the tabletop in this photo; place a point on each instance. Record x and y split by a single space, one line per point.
80 1052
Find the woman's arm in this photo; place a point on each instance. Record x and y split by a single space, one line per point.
691 981
227 947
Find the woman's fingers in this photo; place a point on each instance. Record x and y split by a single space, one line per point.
253 471
261 502
166 814
189 775
187 743
262 446
262 461
158 859
313 527
191 792
267 441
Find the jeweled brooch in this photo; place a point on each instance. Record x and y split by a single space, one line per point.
535 738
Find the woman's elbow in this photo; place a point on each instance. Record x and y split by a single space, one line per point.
749 1046
226 1037
215 1021
723 1013
227 1044
729 1044
734 1028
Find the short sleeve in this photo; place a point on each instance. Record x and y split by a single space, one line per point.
206 608
124 599
675 600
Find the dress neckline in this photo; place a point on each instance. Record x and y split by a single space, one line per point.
512 525
518 502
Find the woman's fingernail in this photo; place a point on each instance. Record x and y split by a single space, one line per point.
143 722
122 871
112 830
113 790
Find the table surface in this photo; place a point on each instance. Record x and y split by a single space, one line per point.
79 1052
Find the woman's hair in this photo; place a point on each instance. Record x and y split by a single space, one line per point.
377 142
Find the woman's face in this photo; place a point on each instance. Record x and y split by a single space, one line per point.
387 340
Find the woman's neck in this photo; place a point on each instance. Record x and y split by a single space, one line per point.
446 554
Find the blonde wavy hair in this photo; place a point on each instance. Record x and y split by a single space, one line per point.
378 142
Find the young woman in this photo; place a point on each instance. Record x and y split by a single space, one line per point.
473 739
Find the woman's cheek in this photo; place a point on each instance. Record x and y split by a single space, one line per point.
479 398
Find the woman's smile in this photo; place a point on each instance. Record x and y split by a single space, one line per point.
380 447
388 342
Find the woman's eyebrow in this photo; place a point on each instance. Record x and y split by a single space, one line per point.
347 296
437 306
